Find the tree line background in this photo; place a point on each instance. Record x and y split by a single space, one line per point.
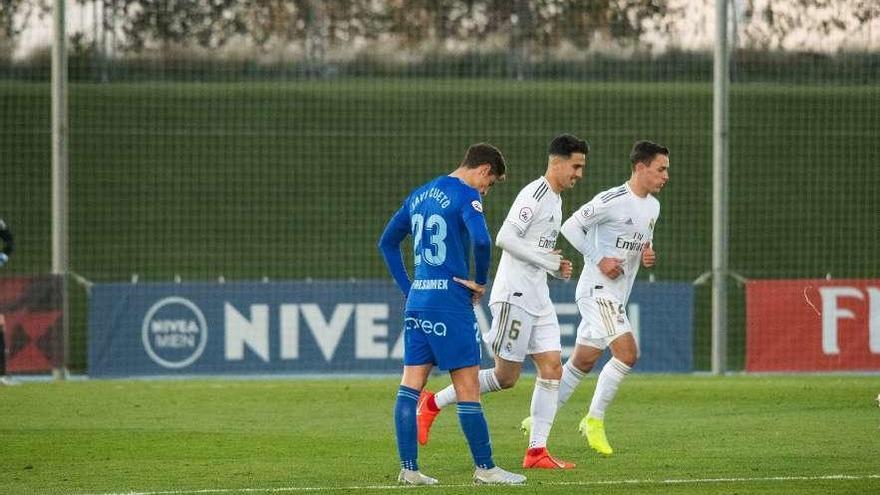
406 30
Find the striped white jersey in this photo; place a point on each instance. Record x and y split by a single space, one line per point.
618 224
537 215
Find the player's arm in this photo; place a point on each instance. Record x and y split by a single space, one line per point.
576 235
8 243
511 235
576 231
649 257
577 228
389 245
478 231
510 239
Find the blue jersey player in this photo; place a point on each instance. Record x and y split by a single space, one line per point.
445 218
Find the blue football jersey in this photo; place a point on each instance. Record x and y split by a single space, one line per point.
438 213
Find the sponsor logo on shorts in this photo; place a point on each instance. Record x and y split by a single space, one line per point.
438 328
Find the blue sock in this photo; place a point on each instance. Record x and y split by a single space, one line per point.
473 423
405 427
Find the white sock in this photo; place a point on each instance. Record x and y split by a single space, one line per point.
543 411
606 388
571 378
488 383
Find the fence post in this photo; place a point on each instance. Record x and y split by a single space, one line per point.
721 79
60 236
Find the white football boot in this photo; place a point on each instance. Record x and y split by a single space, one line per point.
497 476
408 477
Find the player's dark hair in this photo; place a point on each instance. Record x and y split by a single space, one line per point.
645 151
566 144
480 153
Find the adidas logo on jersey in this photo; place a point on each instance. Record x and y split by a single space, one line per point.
629 221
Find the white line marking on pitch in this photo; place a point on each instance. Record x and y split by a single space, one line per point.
551 483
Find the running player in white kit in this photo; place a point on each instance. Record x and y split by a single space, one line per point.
614 232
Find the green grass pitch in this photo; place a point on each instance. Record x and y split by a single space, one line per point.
672 434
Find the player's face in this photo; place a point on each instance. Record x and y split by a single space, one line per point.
573 169
655 174
569 170
486 180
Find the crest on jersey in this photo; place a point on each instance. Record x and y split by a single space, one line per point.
588 211
525 214
477 205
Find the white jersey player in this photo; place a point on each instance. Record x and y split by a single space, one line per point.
523 317
614 231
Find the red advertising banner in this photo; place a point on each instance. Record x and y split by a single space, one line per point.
31 308
813 325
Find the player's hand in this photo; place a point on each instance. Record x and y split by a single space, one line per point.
553 258
611 267
649 257
565 269
477 290
3 258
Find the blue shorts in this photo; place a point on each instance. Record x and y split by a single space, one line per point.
446 340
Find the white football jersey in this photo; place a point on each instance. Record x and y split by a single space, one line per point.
618 224
537 215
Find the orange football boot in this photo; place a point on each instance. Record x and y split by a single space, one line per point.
540 458
426 412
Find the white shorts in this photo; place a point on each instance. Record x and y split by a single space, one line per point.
516 332
603 319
